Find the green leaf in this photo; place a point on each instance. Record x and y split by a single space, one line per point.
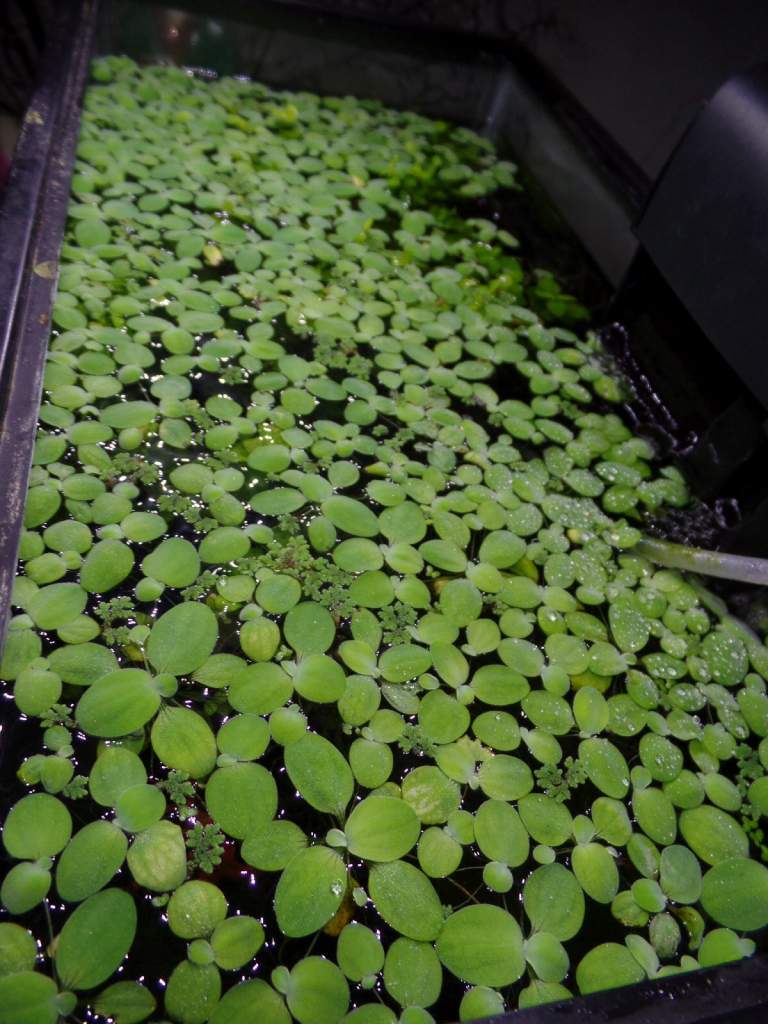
317 992
157 857
236 941
277 501
37 826
439 853
223 544
90 860
127 1002
18 949
319 678
320 773
606 767
482 945
271 848
245 737
713 835
549 713
200 322
174 562
139 807
115 770
499 685
54 606
554 901
43 502
309 628
500 834
735 894
192 992
195 909
143 527
406 900
278 594
371 762
182 639
631 630
359 952
183 740
358 555
382 828
82 664
680 874
726 657
270 458
501 549
432 795
443 554
722 946
655 814
460 602
547 957
21 648
547 820
95 938
480 1001
310 891
569 652
350 516
28 998
24 887
123 415
35 691
596 872
241 798
522 656
260 639
358 656
442 717
250 1002
106 565
412 973
608 965
402 662
118 703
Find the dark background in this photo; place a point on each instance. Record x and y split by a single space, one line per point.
640 67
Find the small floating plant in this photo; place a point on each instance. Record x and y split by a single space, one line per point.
341 685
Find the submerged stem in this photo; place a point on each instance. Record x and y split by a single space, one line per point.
742 568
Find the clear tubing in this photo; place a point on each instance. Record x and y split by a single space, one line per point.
742 568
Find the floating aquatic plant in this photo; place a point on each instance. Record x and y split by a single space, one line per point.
357 692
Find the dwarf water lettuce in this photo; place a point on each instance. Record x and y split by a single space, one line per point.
344 692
